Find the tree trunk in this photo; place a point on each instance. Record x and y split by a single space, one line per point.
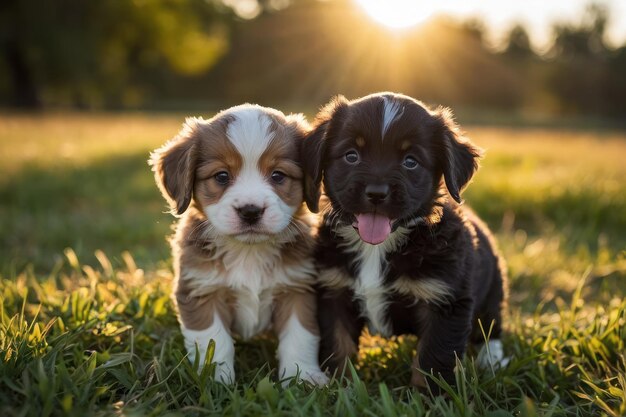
25 94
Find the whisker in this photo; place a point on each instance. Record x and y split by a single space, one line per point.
199 226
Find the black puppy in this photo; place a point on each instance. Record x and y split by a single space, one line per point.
394 251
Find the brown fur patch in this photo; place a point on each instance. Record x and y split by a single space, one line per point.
184 166
173 167
429 290
344 348
301 249
417 378
192 253
334 278
190 248
405 145
288 302
360 142
198 313
282 154
215 154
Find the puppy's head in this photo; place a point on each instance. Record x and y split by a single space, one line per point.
382 159
241 169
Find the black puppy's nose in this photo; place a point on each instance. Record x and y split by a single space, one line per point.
250 213
377 193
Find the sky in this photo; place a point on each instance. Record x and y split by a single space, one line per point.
536 15
499 16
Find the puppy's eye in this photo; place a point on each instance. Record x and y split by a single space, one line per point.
409 162
222 178
278 177
352 157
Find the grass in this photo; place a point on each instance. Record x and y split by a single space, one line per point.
91 330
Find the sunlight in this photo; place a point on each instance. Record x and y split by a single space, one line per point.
398 14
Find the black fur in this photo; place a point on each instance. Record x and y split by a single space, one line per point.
444 241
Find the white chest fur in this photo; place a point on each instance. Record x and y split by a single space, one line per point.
252 272
369 286
252 285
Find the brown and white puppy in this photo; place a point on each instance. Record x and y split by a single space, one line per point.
394 251
242 249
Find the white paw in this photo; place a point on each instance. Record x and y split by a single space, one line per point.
491 356
224 373
313 375
191 355
223 353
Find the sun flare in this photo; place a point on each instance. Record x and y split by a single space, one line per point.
398 14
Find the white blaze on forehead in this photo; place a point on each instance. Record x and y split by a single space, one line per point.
250 133
391 111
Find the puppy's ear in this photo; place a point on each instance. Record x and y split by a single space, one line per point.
458 155
298 127
314 149
174 166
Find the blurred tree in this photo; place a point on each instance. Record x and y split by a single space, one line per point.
519 55
314 50
583 40
616 83
579 73
518 43
185 53
98 52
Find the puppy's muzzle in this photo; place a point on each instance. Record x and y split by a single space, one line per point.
377 193
250 213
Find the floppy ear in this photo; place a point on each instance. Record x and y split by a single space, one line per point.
298 124
314 149
298 127
312 153
459 156
174 166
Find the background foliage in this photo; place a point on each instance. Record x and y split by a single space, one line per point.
192 53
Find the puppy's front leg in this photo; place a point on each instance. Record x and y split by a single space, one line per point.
295 323
340 325
444 336
207 318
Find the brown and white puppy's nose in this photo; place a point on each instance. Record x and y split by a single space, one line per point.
250 213
377 193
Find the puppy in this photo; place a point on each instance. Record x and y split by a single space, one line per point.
395 250
242 248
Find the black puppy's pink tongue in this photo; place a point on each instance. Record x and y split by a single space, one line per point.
373 228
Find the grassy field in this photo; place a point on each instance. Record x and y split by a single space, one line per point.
87 326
